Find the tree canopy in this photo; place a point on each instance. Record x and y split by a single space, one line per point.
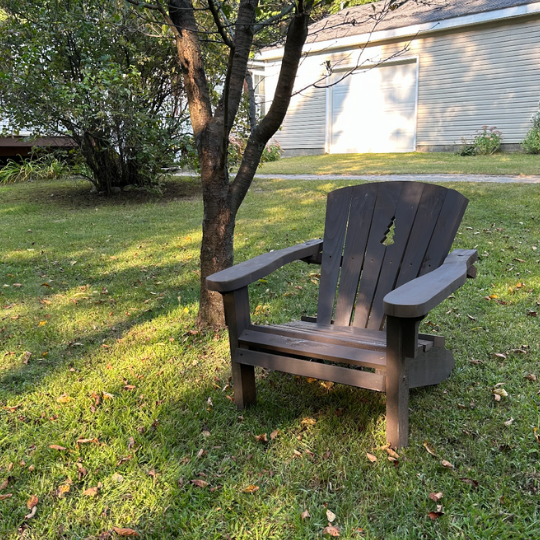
98 73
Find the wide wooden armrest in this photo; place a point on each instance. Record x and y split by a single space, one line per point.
241 275
419 296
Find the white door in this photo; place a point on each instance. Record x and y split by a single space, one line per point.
374 110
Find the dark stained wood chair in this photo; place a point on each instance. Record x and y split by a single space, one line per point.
374 292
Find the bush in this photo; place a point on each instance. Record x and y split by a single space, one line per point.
531 143
487 141
272 152
47 166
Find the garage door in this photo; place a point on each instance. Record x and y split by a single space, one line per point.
374 110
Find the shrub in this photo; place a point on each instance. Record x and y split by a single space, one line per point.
486 141
271 152
531 143
44 167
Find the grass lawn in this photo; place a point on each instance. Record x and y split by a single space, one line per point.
410 163
115 410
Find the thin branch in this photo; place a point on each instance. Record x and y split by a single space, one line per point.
271 20
219 24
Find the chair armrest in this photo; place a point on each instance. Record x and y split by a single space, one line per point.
247 272
417 297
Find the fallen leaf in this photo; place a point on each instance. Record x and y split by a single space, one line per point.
308 422
509 422
17 284
129 387
500 355
106 395
446 464
330 515
201 453
91 492
429 449
32 513
64 398
274 434
261 438
62 490
435 515
471 318
251 489
122 531
436 497
6 496
4 484
305 514
331 531
199 483
56 447
45 285
117 478
500 392
392 453
42 323
32 501
530 377
85 441
371 457
469 481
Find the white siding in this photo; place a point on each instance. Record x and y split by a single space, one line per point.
304 126
468 78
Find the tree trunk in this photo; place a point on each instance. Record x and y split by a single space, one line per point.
217 239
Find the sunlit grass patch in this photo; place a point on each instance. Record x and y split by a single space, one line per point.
116 411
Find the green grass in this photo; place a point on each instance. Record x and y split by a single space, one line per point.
411 163
107 305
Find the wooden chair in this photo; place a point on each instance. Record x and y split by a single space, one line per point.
380 281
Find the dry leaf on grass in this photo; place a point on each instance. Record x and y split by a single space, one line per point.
509 422
31 514
251 489
435 515
304 515
122 531
4 484
261 438
429 449
91 492
436 497
371 457
446 464
64 398
56 447
530 377
62 490
199 483
469 481
32 501
330 515
331 531
6 496
392 453
274 434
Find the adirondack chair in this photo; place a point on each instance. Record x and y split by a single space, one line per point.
380 282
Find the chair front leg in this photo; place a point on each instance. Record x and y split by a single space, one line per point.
236 304
401 342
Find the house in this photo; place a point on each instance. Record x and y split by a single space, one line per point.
420 77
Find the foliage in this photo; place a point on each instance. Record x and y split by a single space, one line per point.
486 142
43 165
531 143
92 71
107 308
272 152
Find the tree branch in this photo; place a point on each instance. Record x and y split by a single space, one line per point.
271 20
220 25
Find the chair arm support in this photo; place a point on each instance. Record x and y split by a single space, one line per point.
419 296
247 272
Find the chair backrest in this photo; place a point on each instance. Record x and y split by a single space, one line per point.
366 261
